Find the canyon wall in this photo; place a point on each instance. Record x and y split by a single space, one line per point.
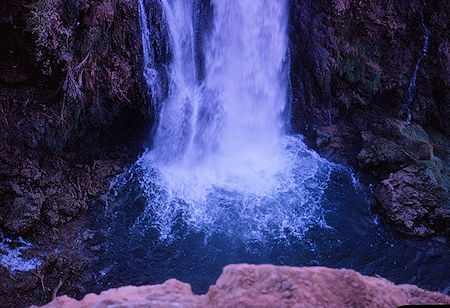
72 107
73 114
351 68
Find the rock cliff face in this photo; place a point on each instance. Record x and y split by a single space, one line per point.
72 108
266 286
351 57
72 115
352 63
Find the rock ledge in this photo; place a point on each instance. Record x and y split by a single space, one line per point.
266 286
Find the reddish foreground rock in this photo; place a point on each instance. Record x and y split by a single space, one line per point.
266 286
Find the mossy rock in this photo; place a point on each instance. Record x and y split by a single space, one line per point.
356 71
357 65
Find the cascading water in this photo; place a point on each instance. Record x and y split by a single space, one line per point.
225 135
412 82
224 184
240 102
150 73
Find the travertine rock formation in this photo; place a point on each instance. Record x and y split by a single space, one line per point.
266 286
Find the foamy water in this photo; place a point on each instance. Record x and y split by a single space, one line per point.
220 159
13 259
248 200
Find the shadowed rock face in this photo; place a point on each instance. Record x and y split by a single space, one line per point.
351 66
412 200
71 107
355 59
266 286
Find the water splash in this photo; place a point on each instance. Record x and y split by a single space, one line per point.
221 162
260 199
412 83
12 258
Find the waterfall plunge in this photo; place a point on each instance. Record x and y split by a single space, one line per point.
223 185
245 74
220 160
230 125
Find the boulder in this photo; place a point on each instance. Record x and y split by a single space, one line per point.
392 145
415 200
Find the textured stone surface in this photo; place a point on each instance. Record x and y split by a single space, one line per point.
354 60
351 66
414 185
265 286
415 201
25 212
62 141
391 145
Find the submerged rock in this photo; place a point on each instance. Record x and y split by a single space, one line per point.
266 286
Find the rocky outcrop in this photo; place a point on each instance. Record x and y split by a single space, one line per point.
413 192
390 145
72 108
266 286
24 288
25 212
351 66
41 189
412 199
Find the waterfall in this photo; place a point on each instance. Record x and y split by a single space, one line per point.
177 115
223 182
241 100
245 77
412 83
150 74
221 159
229 125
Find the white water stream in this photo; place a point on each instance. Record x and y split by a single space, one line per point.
221 158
